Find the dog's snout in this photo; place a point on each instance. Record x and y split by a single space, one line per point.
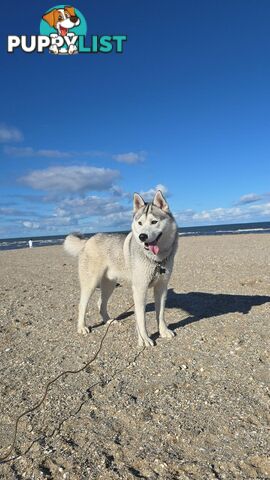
74 19
143 237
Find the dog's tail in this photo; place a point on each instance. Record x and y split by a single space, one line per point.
74 243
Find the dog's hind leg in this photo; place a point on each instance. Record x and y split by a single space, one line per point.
87 290
107 287
160 293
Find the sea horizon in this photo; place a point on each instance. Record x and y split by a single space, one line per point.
14 243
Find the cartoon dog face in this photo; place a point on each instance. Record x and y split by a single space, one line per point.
62 19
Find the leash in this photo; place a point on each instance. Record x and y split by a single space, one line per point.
5 458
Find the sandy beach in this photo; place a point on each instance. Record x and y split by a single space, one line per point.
194 407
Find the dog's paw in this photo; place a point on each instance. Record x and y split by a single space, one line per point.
167 333
111 320
83 330
72 49
54 49
146 341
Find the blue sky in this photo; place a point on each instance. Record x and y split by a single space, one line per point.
185 108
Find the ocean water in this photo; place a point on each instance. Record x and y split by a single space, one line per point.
230 229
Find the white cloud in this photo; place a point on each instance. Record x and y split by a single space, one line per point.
249 198
218 214
8 211
149 194
89 206
239 214
119 220
10 134
118 192
76 210
263 209
130 158
50 223
30 152
92 213
253 198
71 179
49 153
31 225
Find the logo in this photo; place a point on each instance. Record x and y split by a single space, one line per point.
63 25
63 30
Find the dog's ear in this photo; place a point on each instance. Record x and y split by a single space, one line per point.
71 11
160 202
50 17
138 202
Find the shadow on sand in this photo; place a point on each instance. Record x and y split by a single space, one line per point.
200 305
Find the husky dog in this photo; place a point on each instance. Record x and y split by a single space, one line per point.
144 257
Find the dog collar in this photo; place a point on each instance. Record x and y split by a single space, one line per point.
160 270
160 266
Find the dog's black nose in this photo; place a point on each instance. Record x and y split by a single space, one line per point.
73 19
143 237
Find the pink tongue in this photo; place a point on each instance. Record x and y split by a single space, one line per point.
63 31
154 249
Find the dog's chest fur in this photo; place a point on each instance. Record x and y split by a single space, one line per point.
124 260
144 267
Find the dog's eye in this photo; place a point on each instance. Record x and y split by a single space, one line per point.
60 18
140 223
153 222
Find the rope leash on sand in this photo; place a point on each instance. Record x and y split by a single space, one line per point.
5 458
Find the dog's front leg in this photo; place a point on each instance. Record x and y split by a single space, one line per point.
54 47
139 295
72 48
160 294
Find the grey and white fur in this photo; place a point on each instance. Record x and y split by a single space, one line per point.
144 257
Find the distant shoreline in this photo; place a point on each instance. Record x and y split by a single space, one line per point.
208 230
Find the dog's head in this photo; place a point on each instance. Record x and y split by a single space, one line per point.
62 19
153 225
